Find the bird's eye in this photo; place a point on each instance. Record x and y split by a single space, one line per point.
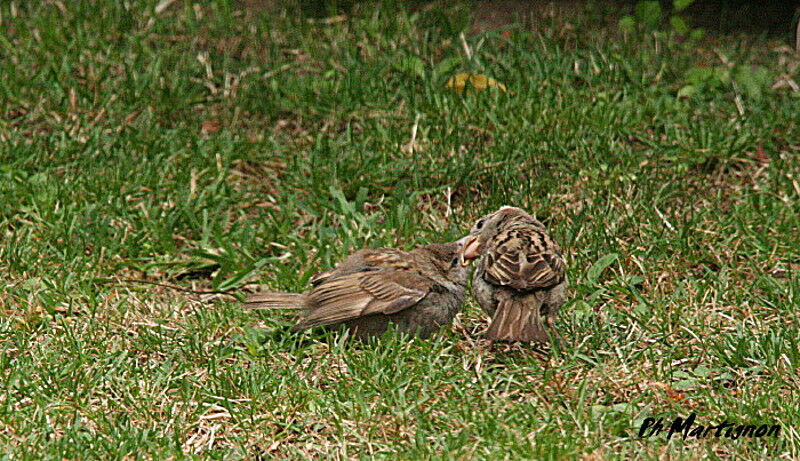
479 224
455 261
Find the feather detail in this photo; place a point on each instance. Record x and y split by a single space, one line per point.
366 293
515 320
523 257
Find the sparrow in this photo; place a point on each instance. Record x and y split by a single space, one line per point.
418 291
520 279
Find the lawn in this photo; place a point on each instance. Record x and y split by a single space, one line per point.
222 147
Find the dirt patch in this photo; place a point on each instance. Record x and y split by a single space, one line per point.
495 14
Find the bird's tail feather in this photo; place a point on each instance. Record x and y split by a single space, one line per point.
515 320
276 301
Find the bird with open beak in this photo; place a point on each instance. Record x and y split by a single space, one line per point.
520 280
419 291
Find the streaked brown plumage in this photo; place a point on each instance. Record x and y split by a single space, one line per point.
419 291
520 278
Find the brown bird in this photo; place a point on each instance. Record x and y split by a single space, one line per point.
418 291
520 278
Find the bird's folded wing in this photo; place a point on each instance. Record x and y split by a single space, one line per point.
355 295
523 259
388 258
371 259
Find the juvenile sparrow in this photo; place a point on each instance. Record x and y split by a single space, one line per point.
418 291
520 278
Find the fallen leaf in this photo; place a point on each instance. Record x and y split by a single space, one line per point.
675 396
462 82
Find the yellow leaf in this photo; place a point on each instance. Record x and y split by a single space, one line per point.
463 82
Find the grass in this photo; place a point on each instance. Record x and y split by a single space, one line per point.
213 146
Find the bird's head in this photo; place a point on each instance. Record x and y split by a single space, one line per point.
489 225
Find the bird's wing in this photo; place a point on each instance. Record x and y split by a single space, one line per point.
523 258
370 259
385 286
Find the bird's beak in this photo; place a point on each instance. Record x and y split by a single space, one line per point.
470 249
